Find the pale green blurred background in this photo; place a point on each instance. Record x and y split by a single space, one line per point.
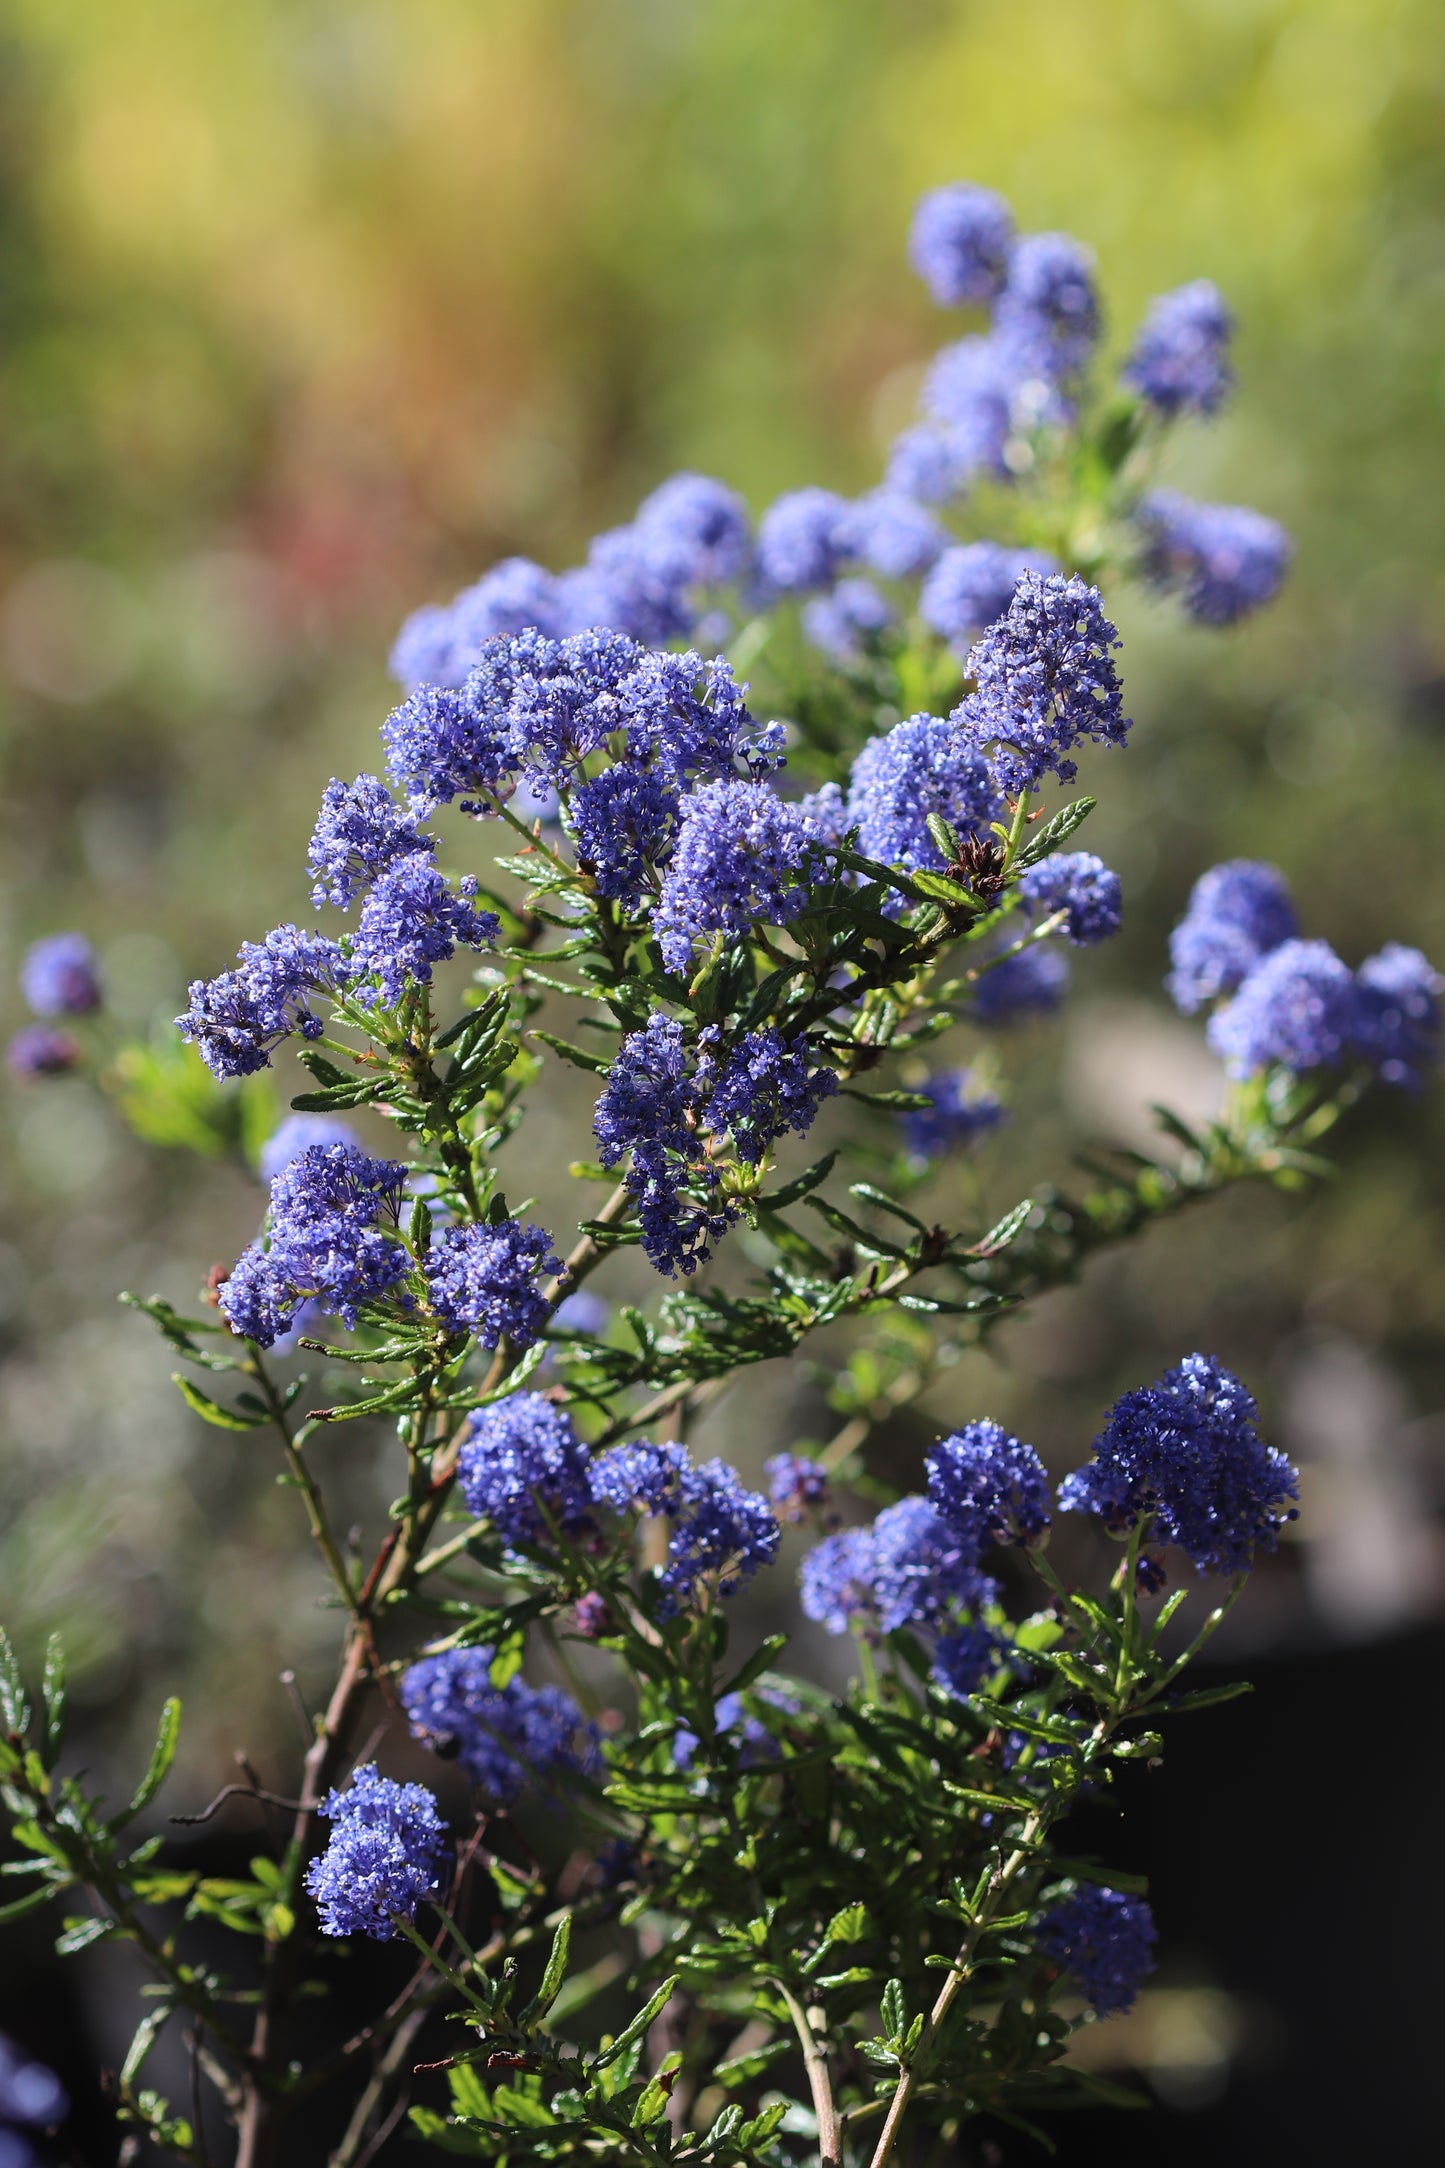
310 311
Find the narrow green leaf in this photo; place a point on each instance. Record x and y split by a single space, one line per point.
578 1056
14 1702
1054 832
636 2027
1007 1230
80 1932
31 1901
356 1092
1208 1697
162 1755
775 1200
211 1411
53 1691
553 1977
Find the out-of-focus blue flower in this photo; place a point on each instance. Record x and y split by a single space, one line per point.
1180 359
960 1111
510 1739
1296 1006
59 976
958 242
1223 559
1105 1940
1237 913
1080 884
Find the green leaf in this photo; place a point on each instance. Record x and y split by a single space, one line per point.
578 1056
894 2010
1007 1230
552 1978
791 1192
356 1092
742 2069
162 1755
145 2039
53 1691
14 1703
1208 1697
211 1411
756 1665
636 2027
945 837
80 1932
31 1901
1054 832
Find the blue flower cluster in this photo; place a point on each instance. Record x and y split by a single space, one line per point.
989 1487
911 1567
1223 560
237 1018
510 1739
325 1243
1044 679
797 1486
1078 883
923 765
739 1728
1104 1939
32 2098
295 1134
959 242
960 1110
59 976
524 1468
689 547
718 1527
971 587
1032 983
1293 1001
1180 358
1183 1457
483 1280
384 1859
668 1108
742 858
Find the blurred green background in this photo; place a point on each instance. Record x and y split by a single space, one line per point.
310 309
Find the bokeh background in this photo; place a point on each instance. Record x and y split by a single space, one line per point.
310 309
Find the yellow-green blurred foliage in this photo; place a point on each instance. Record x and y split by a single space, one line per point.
311 308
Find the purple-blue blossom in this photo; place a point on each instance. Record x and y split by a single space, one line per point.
797 1486
1104 1939
1297 1006
742 859
1180 358
360 831
989 1487
972 585
1081 885
960 1110
41 1050
836 1579
1395 1024
1224 560
637 583
621 822
718 1527
443 743
59 976
1032 983
842 623
1044 681
30 2095
1183 1455
892 534
802 541
296 1134
1237 913
384 1859
930 463
412 920
1048 311
971 388
483 1280
923 1567
236 1019
965 1657
509 1739
649 1108
958 242
762 1086
523 1467
922 765
326 1243
704 525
